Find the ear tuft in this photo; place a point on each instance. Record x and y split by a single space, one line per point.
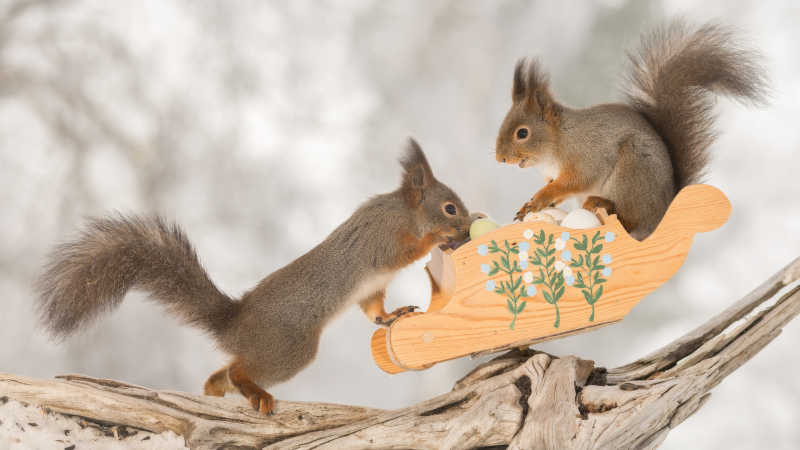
519 88
417 174
537 96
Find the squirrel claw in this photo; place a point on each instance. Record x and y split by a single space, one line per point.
388 319
263 403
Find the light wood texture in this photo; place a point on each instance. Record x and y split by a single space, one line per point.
522 399
469 318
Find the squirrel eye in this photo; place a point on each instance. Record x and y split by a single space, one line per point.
450 209
522 133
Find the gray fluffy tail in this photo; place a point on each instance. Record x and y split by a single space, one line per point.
90 276
673 75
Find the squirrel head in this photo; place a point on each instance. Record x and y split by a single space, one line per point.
529 133
435 209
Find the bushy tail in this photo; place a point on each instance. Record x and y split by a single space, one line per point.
90 276
673 75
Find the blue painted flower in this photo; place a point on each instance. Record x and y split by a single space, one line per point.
609 236
569 279
606 259
524 246
565 236
566 255
483 249
490 285
607 272
531 291
523 264
485 268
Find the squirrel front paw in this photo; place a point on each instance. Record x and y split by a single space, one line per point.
537 203
389 318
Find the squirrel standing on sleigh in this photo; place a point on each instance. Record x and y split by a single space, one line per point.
630 158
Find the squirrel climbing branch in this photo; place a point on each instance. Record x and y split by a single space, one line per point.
523 398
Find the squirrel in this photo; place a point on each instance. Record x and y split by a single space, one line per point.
273 331
631 158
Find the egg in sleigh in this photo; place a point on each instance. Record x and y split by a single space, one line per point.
534 281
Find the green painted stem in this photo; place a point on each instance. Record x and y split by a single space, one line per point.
558 316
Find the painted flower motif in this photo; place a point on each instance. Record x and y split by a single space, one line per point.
527 277
560 266
567 272
606 259
609 236
560 244
485 268
531 290
570 280
524 246
523 264
483 249
565 236
607 272
523 255
490 285
528 233
566 255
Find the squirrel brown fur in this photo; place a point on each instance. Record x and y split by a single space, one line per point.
633 157
273 331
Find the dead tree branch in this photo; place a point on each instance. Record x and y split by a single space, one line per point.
522 399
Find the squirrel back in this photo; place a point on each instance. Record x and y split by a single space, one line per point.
673 76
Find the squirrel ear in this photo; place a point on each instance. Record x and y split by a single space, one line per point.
417 174
539 99
518 88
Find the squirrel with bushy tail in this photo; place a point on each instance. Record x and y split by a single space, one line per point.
631 158
273 331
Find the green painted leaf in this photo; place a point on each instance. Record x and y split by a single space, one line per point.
598 293
559 293
587 296
547 297
597 248
511 308
601 280
595 237
494 271
550 261
521 307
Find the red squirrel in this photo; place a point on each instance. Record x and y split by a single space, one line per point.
630 158
272 332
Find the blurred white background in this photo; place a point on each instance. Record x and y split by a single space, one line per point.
260 126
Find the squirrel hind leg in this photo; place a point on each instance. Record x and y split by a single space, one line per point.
260 399
218 384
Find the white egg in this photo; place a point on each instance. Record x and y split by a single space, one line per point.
580 218
556 213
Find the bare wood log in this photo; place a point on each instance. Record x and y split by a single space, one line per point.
522 399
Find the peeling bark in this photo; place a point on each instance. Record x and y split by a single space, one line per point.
521 399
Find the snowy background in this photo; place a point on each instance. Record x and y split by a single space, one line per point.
260 126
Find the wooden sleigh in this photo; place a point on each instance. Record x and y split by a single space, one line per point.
534 281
